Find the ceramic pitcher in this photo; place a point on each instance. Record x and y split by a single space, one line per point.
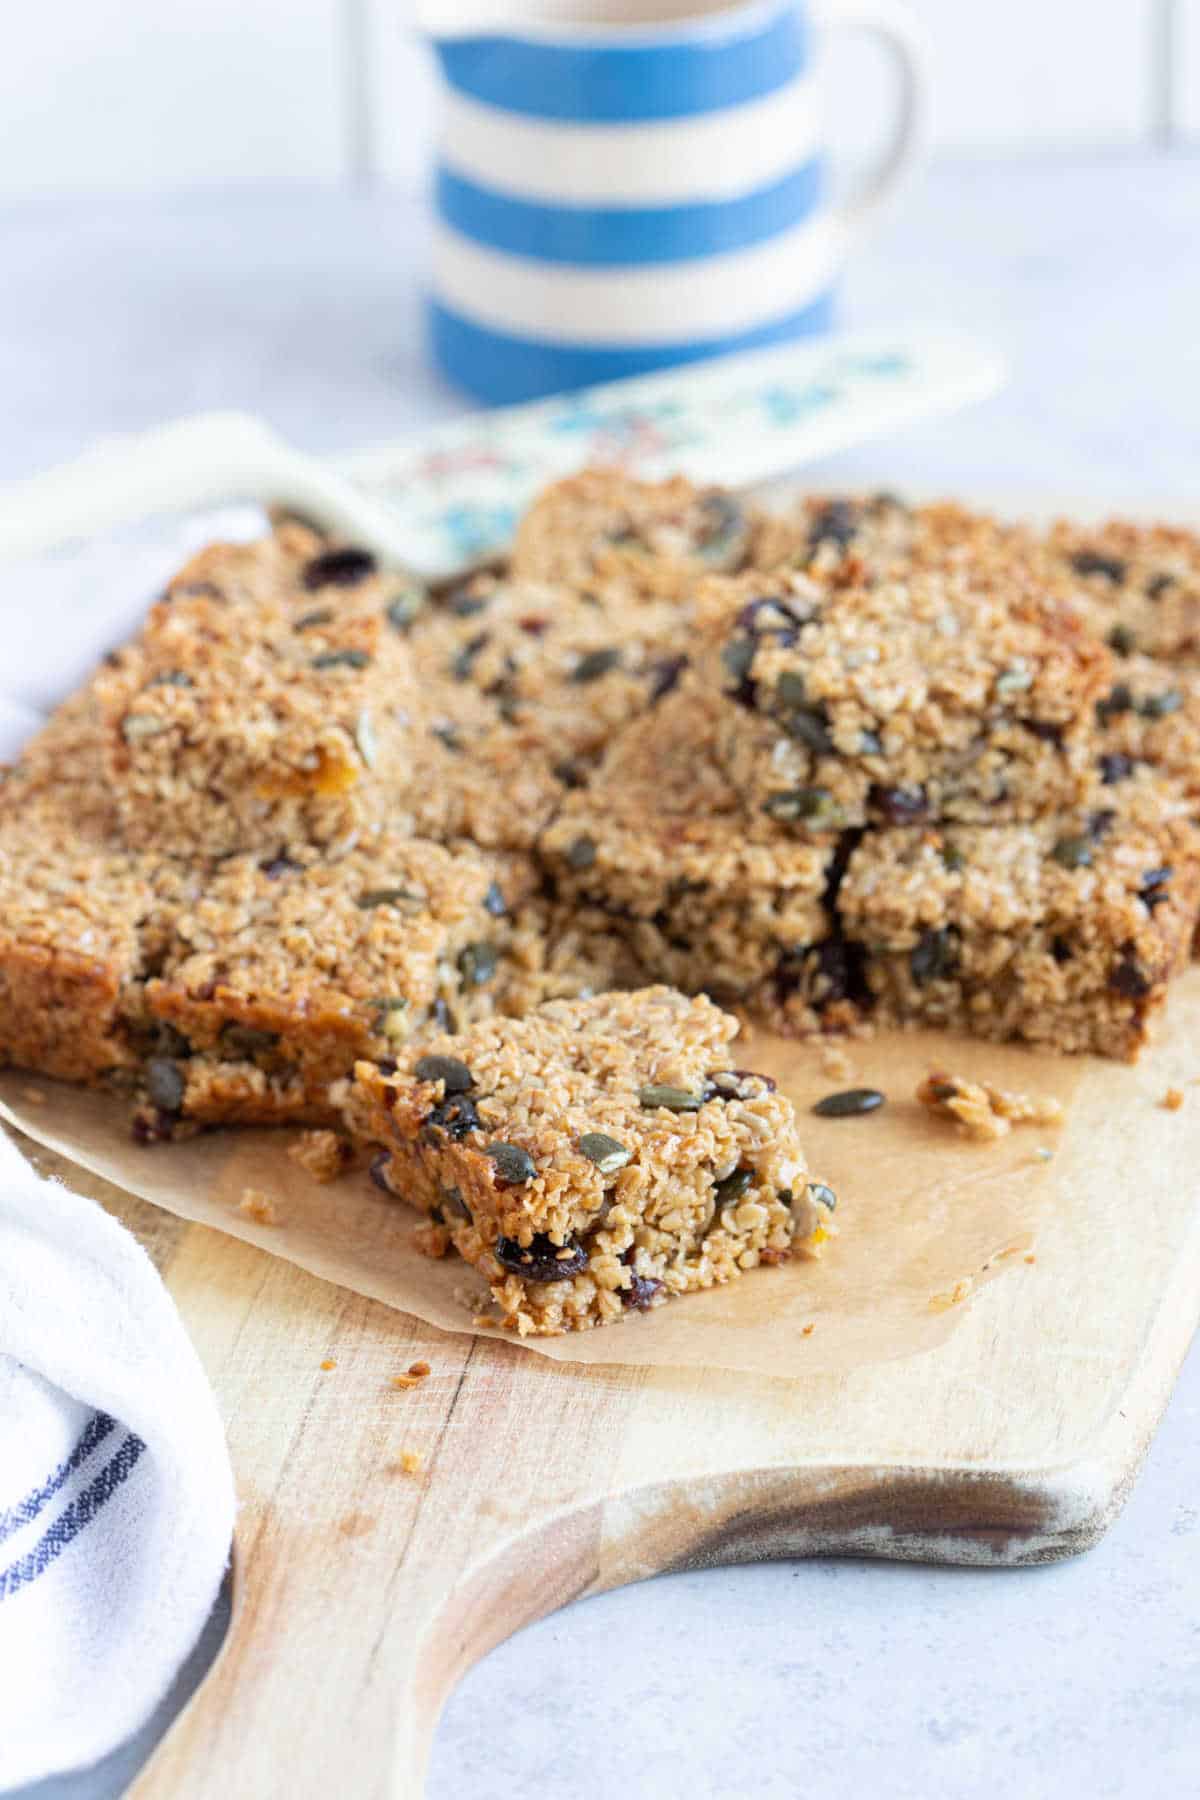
625 184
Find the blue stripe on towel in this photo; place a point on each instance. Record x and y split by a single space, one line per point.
608 235
655 76
499 368
95 1431
72 1521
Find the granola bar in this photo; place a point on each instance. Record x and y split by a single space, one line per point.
707 894
597 1157
1063 932
264 702
941 696
520 685
601 531
1138 586
287 969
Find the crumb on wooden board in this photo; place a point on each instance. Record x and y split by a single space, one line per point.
258 1206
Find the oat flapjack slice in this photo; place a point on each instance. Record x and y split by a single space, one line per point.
597 1157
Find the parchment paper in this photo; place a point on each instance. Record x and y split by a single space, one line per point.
924 1215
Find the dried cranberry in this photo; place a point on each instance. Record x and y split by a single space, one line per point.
339 568
543 1260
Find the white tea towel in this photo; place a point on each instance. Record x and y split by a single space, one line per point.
116 1495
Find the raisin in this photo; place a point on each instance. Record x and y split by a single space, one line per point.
277 866
835 522
899 805
1093 562
1122 640
933 957
339 568
1128 977
1157 586
1061 950
543 1260
664 677
155 1127
456 1115
375 1169
728 1084
640 1294
1114 766
1119 700
454 1075
1046 730
1152 889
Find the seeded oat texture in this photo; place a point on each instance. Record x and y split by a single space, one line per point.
569 1233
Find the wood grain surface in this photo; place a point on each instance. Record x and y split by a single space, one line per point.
363 1592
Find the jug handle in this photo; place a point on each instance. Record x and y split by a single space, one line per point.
907 44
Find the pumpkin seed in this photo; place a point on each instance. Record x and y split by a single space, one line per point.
607 1154
673 1099
320 615
453 1073
595 664
513 1164
821 1195
165 1084
732 1187
385 896
582 853
853 1103
478 963
341 659
1073 852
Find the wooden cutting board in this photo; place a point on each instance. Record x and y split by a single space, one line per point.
363 1592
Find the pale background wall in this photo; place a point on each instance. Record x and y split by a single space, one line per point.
152 94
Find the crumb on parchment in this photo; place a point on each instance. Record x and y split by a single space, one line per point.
324 1154
1172 1100
981 1110
33 1096
329 1363
411 1462
258 1206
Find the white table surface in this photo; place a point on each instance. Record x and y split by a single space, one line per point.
836 1680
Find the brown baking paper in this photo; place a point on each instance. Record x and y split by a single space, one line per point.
924 1215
